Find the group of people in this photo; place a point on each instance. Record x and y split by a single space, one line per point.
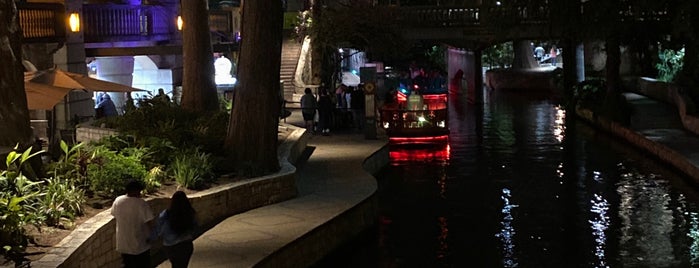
320 109
137 227
541 56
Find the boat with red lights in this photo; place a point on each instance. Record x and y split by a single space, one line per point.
416 118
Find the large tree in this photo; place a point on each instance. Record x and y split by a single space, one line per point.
198 88
252 131
14 115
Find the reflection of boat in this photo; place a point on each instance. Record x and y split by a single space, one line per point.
406 124
419 152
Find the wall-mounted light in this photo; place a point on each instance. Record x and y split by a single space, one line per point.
179 23
74 22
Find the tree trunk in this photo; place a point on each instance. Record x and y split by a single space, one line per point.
252 131
14 114
198 88
524 55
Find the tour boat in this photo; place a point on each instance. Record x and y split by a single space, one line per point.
422 121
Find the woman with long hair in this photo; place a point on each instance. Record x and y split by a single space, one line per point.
177 226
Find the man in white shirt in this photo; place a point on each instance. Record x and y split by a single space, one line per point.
134 222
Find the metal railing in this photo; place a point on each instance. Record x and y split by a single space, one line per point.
42 22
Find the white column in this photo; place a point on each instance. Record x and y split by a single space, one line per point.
118 70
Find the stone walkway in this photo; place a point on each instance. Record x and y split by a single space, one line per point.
300 231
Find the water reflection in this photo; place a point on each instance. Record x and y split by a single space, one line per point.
507 231
646 221
600 224
407 153
693 234
559 123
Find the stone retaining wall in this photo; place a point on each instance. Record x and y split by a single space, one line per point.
669 93
92 243
327 237
662 152
91 133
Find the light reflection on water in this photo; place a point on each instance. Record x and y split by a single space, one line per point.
507 231
526 188
600 224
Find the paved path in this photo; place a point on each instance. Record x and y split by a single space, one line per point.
330 182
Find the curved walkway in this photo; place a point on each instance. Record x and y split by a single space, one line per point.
336 201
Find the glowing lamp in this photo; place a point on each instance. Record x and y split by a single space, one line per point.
180 23
74 22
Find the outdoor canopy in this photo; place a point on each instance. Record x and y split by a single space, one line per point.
46 88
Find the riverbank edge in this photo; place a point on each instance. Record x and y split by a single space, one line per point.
660 151
319 242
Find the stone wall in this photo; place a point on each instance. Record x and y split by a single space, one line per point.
90 133
92 243
662 152
327 237
669 93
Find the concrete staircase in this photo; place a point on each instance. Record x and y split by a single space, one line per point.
291 49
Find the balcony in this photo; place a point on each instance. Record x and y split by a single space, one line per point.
110 23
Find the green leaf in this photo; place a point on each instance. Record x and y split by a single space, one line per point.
64 147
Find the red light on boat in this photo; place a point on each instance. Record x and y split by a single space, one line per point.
419 140
402 154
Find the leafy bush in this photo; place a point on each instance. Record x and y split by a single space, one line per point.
61 200
17 204
72 165
192 169
154 179
590 93
163 126
670 64
109 171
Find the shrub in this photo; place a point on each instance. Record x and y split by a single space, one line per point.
164 126
61 200
670 64
17 204
109 171
192 169
154 179
590 93
72 165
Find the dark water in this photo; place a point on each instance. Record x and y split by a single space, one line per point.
527 186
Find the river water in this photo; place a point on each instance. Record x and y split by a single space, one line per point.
526 185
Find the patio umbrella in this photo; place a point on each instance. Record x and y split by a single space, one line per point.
47 88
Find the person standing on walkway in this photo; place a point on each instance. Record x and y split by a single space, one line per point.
308 109
357 107
325 110
553 54
177 226
134 221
